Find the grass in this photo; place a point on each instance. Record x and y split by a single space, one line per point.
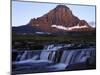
55 38
38 41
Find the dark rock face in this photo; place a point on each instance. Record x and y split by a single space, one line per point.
61 15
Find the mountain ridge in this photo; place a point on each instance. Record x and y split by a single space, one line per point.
59 19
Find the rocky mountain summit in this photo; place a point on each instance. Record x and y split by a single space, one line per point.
59 19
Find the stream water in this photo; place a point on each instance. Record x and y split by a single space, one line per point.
53 57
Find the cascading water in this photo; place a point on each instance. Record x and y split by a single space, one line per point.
48 53
53 58
77 56
51 52
25 55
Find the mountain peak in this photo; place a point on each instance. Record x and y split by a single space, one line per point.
62 16
62 6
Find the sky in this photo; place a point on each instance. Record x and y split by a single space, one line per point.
22 12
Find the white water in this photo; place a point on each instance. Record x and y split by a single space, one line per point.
72 57
23 57
49 53
76 56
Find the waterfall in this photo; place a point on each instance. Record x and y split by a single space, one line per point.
66 57
52 56
19 54
77 56
23 57
49 51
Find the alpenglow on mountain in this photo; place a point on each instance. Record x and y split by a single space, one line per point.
59 19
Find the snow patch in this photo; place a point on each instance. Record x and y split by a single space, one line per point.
59 27
68 28
42 33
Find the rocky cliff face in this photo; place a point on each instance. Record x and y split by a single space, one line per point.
61 15
59 19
